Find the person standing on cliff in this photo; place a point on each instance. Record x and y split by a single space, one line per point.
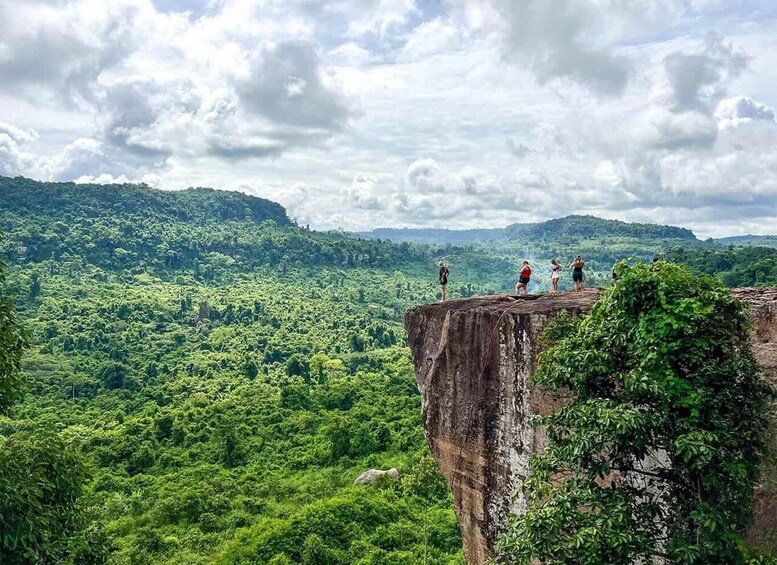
524 276
577 272
555 274
444 272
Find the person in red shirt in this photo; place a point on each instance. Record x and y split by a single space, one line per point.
524 275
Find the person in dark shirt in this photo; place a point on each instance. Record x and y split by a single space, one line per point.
444 272
577 272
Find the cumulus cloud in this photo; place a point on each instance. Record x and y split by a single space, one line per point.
660 128
697 79
14 159
688 86
429 38
378 16
424 175
53 49
552 37
107 178
364 192
229 85
741 110
285 84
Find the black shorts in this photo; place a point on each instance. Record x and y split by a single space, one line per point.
524 280
444 282
577 276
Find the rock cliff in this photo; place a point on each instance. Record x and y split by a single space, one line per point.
473 360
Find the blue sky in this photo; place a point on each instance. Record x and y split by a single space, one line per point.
444 113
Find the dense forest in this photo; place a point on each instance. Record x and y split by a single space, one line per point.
734 266
216 376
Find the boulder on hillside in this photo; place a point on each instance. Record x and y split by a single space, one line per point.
374 476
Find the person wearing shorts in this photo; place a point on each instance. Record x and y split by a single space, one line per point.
555 275
577 272
444 272
524 276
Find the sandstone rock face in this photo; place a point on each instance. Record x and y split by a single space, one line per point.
473 359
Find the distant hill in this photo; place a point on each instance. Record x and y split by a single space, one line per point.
141 229
567 228
749 240
57 199
590 227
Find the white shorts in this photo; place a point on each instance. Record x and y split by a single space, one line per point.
555 276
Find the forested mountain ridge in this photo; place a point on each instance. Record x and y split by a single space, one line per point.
64 200
582 227
141 229
573 227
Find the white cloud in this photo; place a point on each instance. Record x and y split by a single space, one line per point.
741 110
107 178
378 16
552 37
14 159
661 128
286 86
696 80
424 175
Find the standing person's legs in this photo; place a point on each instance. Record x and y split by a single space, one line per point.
443 291
554 283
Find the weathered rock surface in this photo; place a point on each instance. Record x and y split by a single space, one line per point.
473 359
375 476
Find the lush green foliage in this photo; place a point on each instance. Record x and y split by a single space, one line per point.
657 453
41 480
227 378
213 415
41 474
12 342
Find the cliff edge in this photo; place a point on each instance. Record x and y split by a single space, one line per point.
473 361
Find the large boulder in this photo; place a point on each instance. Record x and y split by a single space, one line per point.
375 476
